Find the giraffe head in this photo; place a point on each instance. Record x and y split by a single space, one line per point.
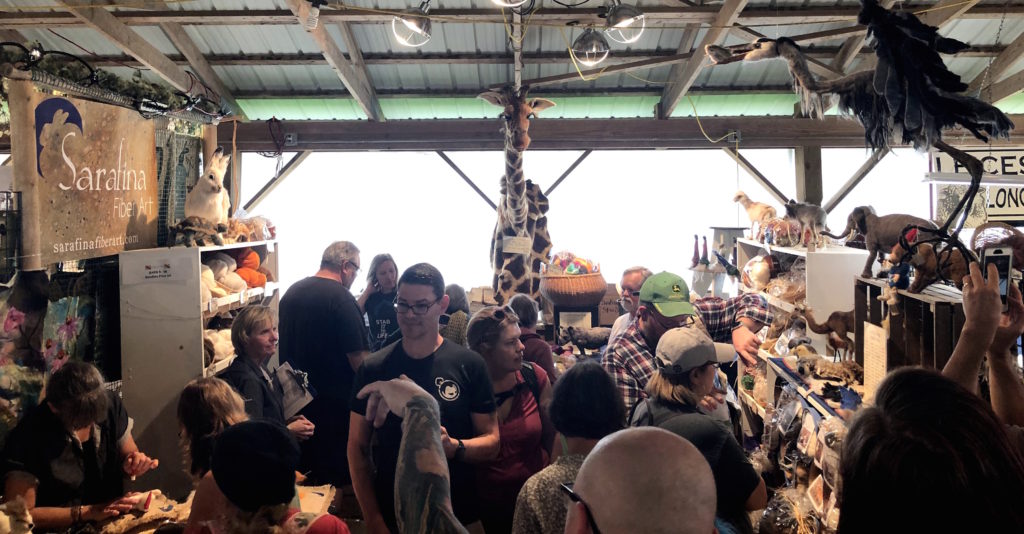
517 111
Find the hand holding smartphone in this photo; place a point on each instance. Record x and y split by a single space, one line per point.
1001 257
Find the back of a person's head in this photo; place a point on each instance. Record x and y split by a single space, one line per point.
525 308
424 274
457 299
648 480
76 392
929 456
206 407
254 465
586 404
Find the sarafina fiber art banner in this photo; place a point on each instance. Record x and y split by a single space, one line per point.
87 174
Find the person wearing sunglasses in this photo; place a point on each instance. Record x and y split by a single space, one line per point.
455 376
629 299
522 393
664 304
687 363
642 480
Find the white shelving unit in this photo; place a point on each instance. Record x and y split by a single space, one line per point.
830 275
162 322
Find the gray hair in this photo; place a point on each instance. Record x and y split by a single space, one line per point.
337 253
645 273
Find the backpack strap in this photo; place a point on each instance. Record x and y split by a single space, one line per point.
530 377
641 415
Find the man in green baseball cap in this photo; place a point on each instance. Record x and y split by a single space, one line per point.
668 293
664 305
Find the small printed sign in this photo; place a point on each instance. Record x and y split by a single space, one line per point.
516 245
993 203
159 270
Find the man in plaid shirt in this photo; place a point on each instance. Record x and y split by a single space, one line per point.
664 305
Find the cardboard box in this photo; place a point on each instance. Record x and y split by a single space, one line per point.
609 309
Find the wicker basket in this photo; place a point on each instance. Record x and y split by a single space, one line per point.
573 289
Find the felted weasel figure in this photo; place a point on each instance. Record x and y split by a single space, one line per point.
208 199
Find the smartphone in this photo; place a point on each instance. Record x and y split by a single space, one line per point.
1001 257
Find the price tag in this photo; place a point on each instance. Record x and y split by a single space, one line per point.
516 245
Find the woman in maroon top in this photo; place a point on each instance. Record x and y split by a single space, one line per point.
526 432
535 349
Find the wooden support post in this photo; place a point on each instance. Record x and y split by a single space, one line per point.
755 174
209 141
863 171
568 171
288 168
466 178
808 174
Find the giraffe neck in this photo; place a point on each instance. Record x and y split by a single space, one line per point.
515 187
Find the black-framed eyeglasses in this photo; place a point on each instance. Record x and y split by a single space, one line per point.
354 264
574 497
417 309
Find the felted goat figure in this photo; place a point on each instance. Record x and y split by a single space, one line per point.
910 96
208 199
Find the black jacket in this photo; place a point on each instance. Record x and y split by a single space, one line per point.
263 398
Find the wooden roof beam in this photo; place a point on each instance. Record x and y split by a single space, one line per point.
999 66
126 39
176 33
563 134
357 85
1006 88
676 87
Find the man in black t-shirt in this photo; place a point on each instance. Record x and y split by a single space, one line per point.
322 333
455 376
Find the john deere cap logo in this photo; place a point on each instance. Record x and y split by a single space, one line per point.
675 288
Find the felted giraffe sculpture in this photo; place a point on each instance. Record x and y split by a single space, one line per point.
522 205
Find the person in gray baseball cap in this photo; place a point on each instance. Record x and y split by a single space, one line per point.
687 363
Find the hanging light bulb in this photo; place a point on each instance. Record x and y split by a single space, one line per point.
314 14
590 48
625 23
413 27
509 3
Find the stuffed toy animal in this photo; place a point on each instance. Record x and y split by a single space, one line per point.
220 340
249 267
899 278
238 231
223 267
195 231
930 267
757 212
14 517
208 199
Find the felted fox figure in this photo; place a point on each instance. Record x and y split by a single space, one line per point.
208 199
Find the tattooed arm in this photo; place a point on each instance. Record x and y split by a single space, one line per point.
422 500
422 492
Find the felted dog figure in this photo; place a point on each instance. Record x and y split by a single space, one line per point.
208 199
810 217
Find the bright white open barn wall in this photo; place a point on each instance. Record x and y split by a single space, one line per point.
620 208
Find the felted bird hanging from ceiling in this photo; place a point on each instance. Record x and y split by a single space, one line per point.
910 96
